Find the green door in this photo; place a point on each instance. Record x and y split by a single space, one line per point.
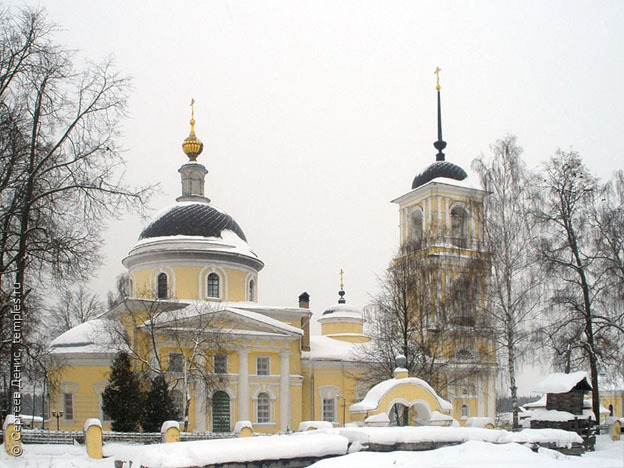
220 412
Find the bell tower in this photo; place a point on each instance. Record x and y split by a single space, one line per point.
441 232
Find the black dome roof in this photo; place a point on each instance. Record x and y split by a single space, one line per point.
439 169
195 219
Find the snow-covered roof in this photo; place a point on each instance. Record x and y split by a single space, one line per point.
201 308
541 403
344 310
228 241
94 336
375 395
326 348
560 382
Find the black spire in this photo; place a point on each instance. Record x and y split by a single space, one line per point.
440 144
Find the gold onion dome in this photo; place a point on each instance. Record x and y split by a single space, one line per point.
192 146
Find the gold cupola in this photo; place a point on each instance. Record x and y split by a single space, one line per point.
192 146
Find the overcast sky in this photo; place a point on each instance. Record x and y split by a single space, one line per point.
314 115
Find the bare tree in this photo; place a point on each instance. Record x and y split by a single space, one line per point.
418 315
75 306
62 168
514 296
567 252
189 333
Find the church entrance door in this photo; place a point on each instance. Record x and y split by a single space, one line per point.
220 412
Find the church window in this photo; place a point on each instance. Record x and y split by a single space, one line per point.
464 355
163 286
610 410
220 363
252 287
178 404
263 365
264 408
329 409
464 411
416 226
459 226
176 362
212 289
68 406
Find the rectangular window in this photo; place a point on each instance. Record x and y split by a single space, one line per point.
176 362
105 416
264 408
329 409
68 406
263 365
220 363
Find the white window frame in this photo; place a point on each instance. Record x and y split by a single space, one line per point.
170 360
264 359
268 408
73 406
214 363
260 389
219 285
467 412
173 400
329 392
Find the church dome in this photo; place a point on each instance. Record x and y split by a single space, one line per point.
192 219
438 169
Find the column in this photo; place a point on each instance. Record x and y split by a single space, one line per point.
200 406
284 391
243 385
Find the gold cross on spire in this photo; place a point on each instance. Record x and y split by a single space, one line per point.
192 109
437 72
341 279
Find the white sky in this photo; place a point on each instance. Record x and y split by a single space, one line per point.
314 115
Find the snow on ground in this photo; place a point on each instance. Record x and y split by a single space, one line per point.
470 454
483 455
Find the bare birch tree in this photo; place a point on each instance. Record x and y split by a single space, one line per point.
515 284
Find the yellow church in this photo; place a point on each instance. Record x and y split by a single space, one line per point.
191 313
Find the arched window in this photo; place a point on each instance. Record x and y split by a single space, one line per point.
416 227
464 411
464 355
163 286
263 408
459 226
252 289
212 286
610 410
178 404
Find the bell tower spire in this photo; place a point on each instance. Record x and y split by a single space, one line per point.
192 173
440 144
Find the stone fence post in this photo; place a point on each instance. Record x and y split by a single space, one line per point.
12 436
243 429
93 438
170 431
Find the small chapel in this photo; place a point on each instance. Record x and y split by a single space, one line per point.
191 314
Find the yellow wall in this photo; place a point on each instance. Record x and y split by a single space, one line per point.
86 400
330 328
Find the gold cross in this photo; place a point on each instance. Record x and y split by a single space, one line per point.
192 108
341 278
437 72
